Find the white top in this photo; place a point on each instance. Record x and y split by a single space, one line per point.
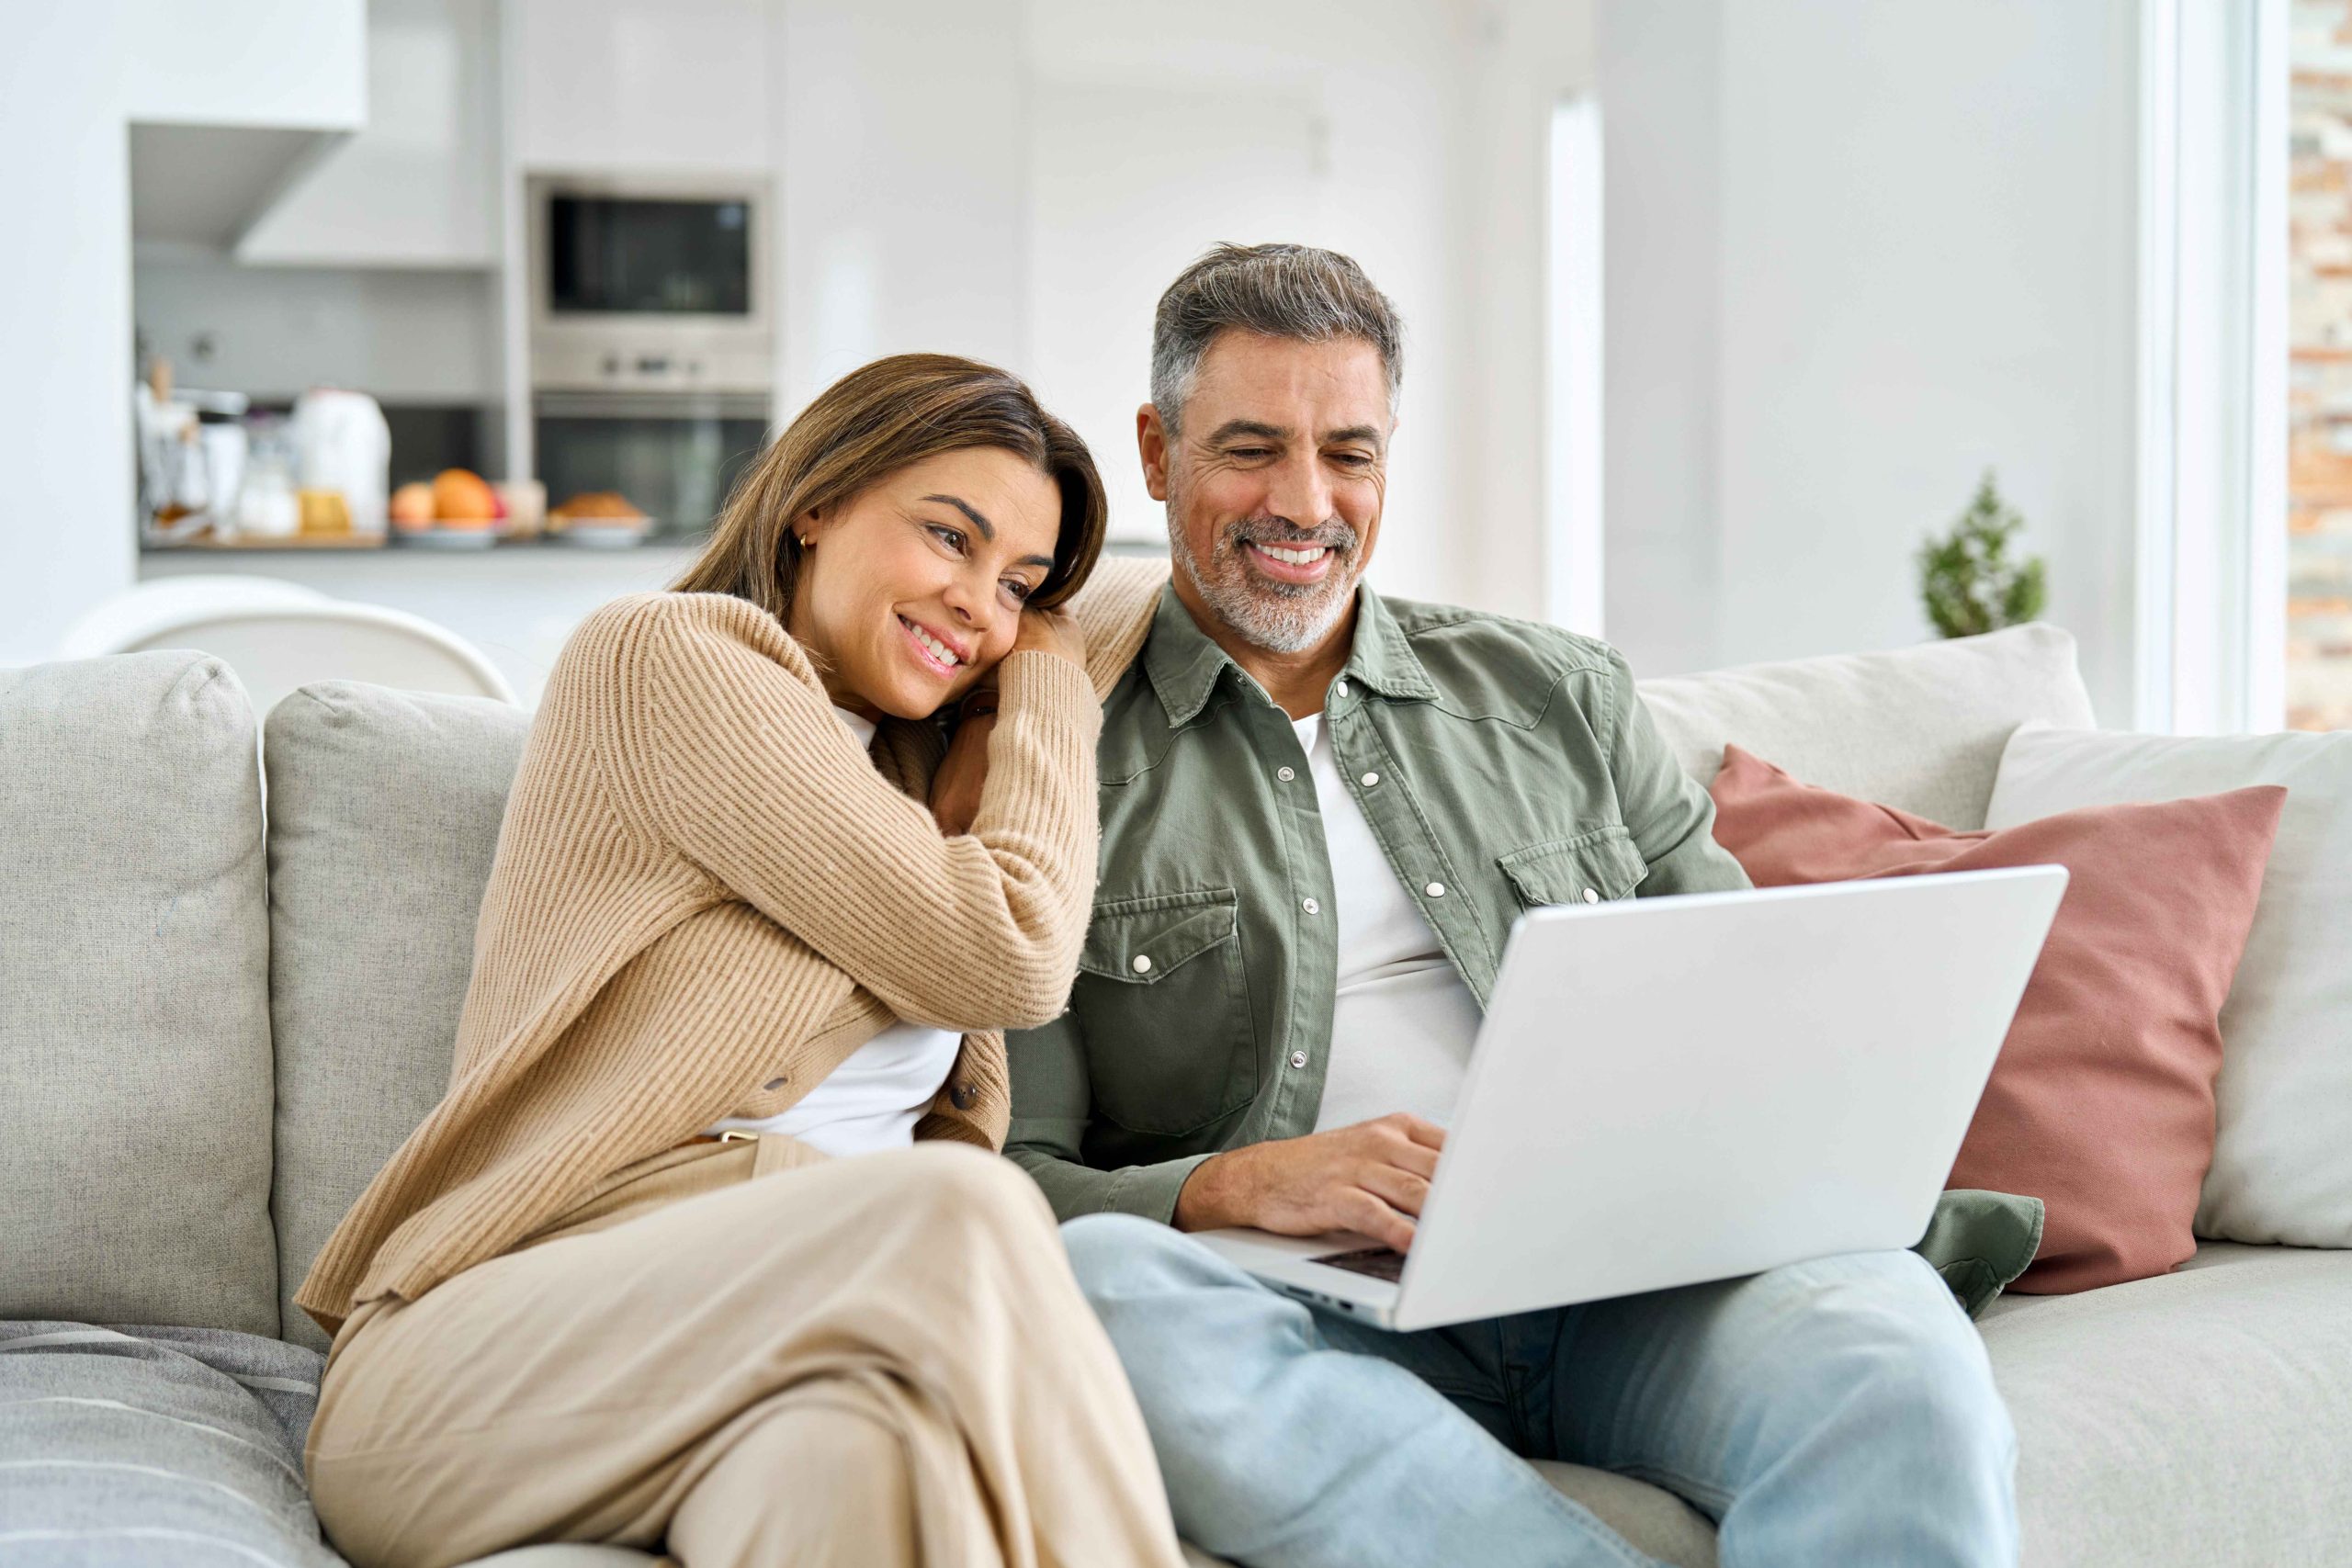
1403 1022
874 1098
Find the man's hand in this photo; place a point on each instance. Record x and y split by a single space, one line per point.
1373 1177
956 787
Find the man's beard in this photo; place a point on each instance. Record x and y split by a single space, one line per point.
1281 617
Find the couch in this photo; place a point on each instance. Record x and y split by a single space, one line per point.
217 1021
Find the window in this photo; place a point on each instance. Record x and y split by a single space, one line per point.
2212 484
2319 383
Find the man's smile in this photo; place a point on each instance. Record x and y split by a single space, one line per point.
1297 563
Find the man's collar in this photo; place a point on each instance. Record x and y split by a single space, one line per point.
1383 658
1180 660
1183 661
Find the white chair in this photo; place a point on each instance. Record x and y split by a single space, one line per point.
118 625
277 635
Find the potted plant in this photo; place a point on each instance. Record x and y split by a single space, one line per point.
1968 581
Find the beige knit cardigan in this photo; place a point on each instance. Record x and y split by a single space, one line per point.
705 896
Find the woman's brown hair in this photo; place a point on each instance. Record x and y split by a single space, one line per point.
870 423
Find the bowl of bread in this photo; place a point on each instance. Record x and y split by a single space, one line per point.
598 519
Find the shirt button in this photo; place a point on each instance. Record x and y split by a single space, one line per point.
1370 780
963 1097
1343 688
1143 963
1435 890
1298 1058
1311 906
1285 774
1590 897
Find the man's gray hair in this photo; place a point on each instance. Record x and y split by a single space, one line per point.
1293 291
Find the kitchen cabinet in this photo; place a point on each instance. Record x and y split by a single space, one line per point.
650 84
418 186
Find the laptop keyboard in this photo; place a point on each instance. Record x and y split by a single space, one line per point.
1379 1262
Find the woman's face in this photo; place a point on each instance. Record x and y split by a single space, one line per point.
912 591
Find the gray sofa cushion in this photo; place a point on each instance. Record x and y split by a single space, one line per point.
572 1555
145 1446
134 1025
1919 727
2202 1417
384 809
1657 1522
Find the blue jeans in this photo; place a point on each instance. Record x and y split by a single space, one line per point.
1833 1412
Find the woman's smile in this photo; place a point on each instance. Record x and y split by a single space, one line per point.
941 653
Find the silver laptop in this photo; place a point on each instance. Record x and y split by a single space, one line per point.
1669 1090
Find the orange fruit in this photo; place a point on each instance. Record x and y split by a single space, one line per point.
461 497
412 507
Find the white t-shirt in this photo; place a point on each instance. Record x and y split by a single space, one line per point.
1403 1022
874 1098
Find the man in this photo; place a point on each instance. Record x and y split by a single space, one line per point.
1321 810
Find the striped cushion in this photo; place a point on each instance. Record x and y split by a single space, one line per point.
154 1448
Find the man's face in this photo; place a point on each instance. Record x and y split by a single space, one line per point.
1275 484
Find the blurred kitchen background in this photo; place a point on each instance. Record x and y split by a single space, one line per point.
472 309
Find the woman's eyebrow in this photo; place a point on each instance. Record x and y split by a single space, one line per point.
987 528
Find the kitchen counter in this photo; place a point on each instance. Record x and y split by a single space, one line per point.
311 544
516 601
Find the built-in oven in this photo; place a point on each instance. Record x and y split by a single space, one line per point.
674 456
652 339
650 283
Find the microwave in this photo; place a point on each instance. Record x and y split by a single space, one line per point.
649 284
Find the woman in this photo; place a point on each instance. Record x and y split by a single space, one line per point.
706 1244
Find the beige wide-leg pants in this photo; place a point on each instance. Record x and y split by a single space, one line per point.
755 1356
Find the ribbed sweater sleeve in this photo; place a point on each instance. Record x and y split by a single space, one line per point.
739 763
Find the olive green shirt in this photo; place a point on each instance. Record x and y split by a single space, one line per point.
1501 765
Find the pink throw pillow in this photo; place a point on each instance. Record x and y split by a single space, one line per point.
2101 1103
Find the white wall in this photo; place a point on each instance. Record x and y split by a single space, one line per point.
1377 89
1521 59
900 145
629 84
66 538
70 79
1660 68
1127 184
399 335
1914 227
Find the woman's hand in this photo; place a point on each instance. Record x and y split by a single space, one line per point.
956 787
1050 631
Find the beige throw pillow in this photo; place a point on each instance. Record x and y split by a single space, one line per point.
2282 1157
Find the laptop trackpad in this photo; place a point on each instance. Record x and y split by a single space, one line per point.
1379 1262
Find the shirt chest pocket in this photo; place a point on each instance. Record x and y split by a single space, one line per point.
1590 868
1164 1003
